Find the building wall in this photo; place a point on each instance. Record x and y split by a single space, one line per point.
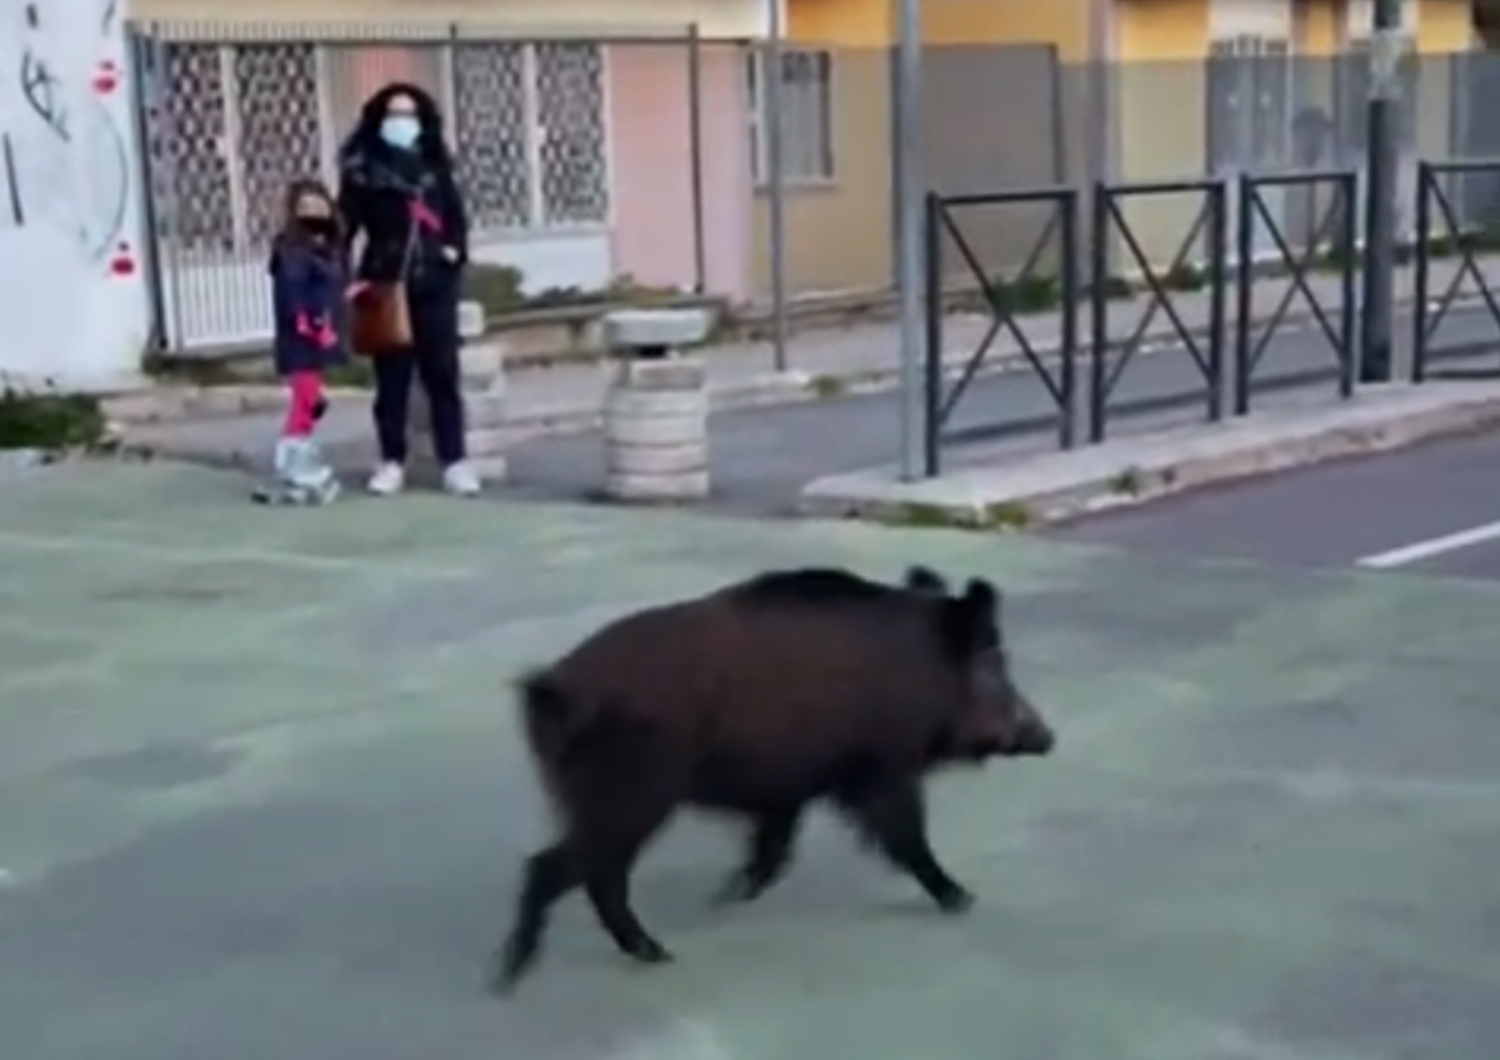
72 289
839 233
731 19
649 227
651 119
1162 89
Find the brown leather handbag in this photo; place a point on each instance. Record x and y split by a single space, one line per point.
380 320
379 316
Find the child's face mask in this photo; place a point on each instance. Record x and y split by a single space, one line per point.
316 220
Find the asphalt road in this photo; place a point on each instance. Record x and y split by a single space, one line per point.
262 795
1434 509
762 457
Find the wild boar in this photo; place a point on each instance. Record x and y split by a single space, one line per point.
757 700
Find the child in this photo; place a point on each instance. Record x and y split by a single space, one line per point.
307 293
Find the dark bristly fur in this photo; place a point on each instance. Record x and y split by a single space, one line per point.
757 700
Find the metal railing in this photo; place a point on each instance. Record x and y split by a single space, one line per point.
1331 243
1204 344
1428 313
1061 382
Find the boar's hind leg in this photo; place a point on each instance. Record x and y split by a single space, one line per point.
550 874
893 816
600 860
771 838
609 892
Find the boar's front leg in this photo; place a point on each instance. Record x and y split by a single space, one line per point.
772 836
892 814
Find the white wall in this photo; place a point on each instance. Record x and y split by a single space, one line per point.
73 297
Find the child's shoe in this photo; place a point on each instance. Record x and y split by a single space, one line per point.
300 476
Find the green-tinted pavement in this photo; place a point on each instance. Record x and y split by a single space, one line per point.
261 796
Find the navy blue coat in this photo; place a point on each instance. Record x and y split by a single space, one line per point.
307 295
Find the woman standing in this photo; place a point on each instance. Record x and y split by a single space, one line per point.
397 187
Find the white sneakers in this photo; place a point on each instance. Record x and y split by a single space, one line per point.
459 479
388 480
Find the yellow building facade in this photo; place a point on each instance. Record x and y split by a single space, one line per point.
1070 90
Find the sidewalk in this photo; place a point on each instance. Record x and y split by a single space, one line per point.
822 365
1021 490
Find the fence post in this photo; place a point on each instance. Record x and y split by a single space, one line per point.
1244 317
1071 299
1218 279
1099 308
932 253
1422 279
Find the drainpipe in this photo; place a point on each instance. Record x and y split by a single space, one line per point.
1100 56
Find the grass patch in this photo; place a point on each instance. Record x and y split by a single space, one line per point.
1127 483
50 421
1002 516
1023 295
826 387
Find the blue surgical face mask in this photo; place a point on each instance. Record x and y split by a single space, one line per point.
401 131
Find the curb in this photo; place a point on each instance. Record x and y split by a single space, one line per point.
1058 486
207 404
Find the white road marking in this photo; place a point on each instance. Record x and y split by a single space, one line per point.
1418 551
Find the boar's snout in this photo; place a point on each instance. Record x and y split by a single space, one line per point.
1032 735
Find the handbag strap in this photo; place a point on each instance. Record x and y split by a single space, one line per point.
409 253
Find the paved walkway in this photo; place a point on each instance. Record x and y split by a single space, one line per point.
762 457
742 373
261 796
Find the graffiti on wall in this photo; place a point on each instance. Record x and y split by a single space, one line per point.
67 163
68 205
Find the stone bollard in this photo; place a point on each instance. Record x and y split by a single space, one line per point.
482 385
656 410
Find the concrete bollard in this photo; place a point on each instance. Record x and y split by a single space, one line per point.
656 409
482 385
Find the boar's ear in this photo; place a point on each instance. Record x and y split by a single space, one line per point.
982 595
972 621
926 581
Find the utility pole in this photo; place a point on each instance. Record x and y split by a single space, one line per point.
908 192
1387 44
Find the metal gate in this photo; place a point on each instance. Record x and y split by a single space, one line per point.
1249 120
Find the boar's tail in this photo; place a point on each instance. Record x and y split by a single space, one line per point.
542 696
559 721
551 720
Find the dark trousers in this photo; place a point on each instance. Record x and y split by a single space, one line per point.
433 359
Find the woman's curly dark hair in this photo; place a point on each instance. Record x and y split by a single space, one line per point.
365 139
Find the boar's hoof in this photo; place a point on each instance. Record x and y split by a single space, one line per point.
739 888
506 971
955 901
649 951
